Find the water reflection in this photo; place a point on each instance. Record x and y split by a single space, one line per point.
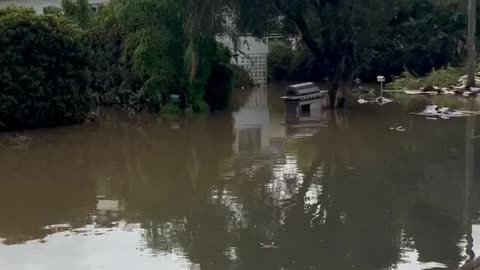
260 188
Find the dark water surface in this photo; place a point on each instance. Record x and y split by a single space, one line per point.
256 189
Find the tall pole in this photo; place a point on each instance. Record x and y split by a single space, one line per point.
469 176
472 23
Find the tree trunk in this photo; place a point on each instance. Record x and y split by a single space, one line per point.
337 90
193 74
336 94
332 94
194 64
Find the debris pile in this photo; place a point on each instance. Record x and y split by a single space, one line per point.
433 111
461 89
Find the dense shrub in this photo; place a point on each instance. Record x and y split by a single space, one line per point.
218 90
44 79
115 80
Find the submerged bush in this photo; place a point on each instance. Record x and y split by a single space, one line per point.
44 78
445 77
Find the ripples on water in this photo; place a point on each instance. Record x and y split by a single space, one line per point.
258 188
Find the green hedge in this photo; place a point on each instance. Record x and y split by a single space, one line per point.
44 77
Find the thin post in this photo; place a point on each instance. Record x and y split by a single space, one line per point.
472 22
381 87
469 176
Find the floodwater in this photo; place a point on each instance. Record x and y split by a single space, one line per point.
259 188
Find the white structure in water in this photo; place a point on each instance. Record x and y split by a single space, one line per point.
250 53
252 123
40 5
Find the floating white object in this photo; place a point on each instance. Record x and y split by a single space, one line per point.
383 101
362 101
445 112
413 92
400 129
379 101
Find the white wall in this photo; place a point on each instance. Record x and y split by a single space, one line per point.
252 56
254 114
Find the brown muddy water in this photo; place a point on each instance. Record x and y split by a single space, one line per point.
258 188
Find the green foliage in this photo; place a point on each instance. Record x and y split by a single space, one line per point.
354 38
406 81
285 63
79 11
445 77
52 10
44 79
16 11
173 44
423 35
115 79
171 108
279 61
157 46
241 78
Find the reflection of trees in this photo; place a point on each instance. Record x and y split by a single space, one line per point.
349 197
375 185
170 175
396 176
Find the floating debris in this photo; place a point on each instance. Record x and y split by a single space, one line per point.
433 111
383 101
15 140
379 101
363 101
398 129
130 227
414 92
58 227
266 246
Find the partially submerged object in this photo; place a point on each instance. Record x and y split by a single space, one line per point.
445 112
463 80
379 101
461 89
15 140
268 246
398 129
304 91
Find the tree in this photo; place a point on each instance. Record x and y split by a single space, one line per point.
351 38
340 34
79 10
174 45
